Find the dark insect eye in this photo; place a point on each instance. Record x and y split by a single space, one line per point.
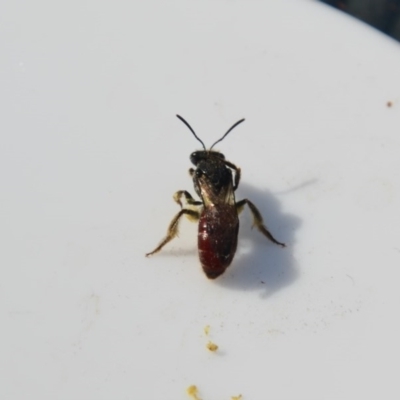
199 173
220 155
194 158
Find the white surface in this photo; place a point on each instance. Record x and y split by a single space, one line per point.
92 152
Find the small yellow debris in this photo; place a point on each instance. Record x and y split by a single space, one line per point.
237 397
193 392
207 329
212 347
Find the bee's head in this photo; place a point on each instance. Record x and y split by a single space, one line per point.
201 155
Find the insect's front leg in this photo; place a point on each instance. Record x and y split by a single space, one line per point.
257 220
188 197
173 228
237 173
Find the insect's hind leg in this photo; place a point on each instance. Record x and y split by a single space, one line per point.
173 228
257 220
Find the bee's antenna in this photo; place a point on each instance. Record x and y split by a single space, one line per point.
193 131
233 126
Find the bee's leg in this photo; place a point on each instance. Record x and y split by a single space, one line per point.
173 228
237 173
188 197
257 220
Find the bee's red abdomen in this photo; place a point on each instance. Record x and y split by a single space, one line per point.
217 238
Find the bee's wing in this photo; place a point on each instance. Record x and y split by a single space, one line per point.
226 195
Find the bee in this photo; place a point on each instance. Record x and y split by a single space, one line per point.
215 181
